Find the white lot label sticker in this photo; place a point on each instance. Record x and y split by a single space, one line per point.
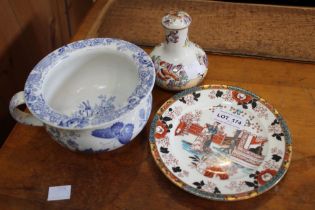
229 119
59 193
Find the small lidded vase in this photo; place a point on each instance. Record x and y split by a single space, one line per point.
179 63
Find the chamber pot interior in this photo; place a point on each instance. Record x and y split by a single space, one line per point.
86 76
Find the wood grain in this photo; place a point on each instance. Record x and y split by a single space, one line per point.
219 27
93 20
76 13
29 30
128 178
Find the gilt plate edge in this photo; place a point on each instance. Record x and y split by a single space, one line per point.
212 196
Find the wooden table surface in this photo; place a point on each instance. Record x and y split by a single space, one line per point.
128 178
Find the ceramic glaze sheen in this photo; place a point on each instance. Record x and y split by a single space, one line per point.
92 95
86 75
221 142
179 63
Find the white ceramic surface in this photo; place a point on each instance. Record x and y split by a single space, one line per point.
179 63
220 142
92 95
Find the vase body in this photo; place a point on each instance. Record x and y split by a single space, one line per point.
179 63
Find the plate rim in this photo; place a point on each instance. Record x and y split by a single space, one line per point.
212 196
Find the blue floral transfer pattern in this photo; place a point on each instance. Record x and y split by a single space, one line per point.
66 139
118 130
82 119
145 112
92 114
70 139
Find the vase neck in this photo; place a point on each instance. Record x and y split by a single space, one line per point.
175 39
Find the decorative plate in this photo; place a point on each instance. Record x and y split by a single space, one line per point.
220 142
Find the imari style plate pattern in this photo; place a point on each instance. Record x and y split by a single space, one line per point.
220 142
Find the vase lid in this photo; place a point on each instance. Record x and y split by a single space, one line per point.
176 20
